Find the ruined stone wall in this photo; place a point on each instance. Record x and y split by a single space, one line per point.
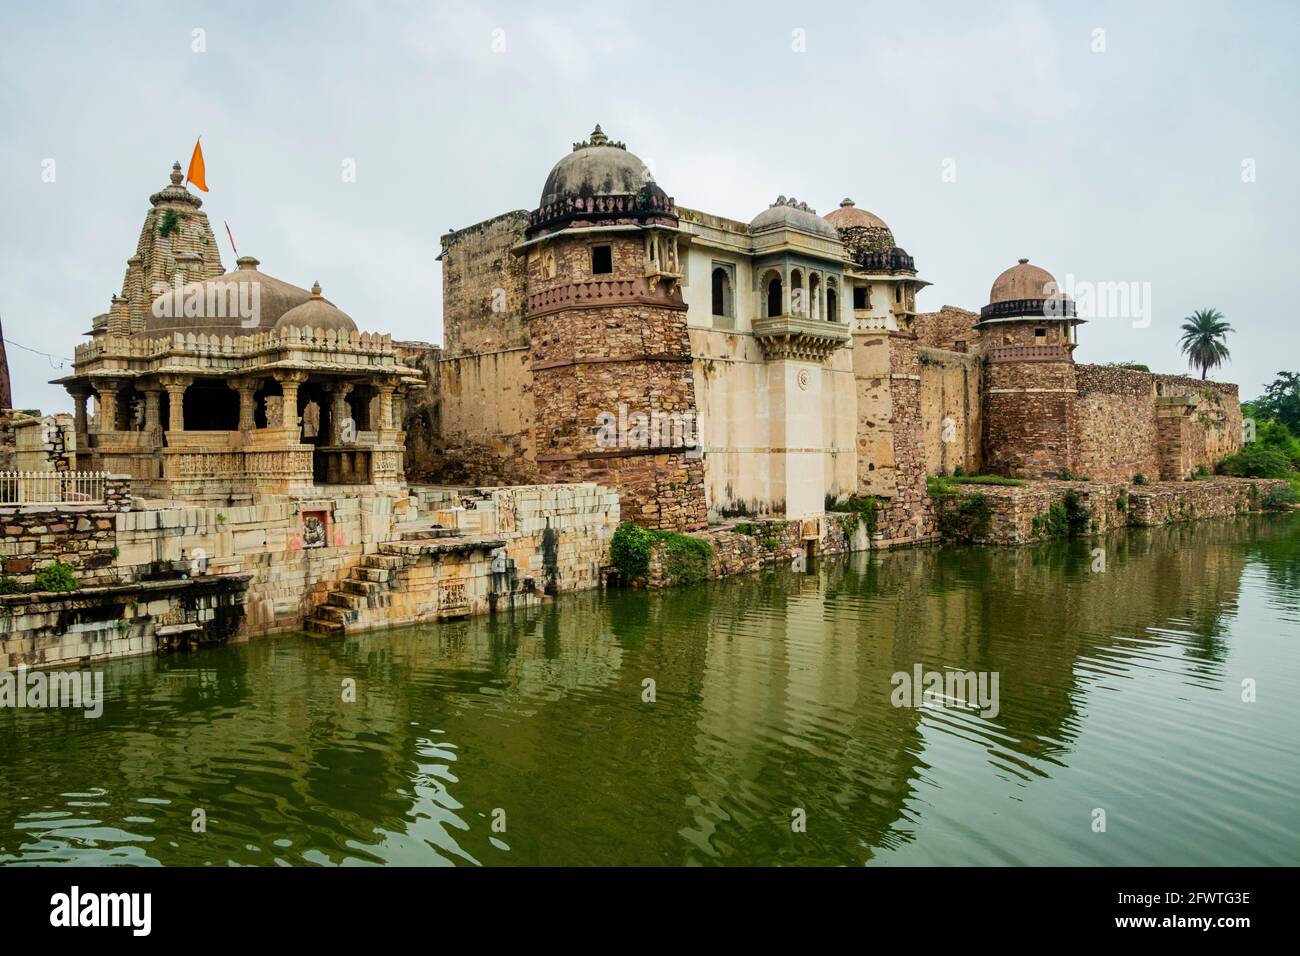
82 538
949 328
483 287
1129 422
1115 422
908 516
951 403
1028 411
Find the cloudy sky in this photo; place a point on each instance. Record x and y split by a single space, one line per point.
1153 145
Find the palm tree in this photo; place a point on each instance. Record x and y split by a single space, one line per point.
1202 340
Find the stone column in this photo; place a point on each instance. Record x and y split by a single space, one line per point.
79 409
339 410
176 386
385 406
246 388
289 382
106 391
153 412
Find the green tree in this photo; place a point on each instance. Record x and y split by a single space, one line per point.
1281 401
1203 334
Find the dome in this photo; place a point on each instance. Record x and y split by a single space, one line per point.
316 313
792 214
242 302
849 216
1023 281
597 167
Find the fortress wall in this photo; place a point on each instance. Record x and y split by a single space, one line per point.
483 287
949 328
951 404
485 422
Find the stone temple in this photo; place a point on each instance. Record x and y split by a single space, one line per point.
210 385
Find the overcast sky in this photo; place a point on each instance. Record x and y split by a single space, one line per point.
980 132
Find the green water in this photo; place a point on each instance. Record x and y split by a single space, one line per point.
1118 690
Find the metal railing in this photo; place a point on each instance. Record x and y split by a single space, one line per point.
52 487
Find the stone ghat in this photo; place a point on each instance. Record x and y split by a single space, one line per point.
47 629
1020 515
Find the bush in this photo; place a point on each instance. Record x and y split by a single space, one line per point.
1281 498
629 551
938 487
686 559
9 586
55 577
1256 461
862 508
1121 501
1078 519
1201 472
967 520
1139 479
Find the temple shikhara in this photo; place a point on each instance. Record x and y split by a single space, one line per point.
242 458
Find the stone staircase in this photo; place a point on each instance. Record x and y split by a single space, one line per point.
363 589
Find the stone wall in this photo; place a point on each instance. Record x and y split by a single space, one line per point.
951 404
1018 514
1115 422
483 286
487 421
1029 418
84 538
950 328
99 623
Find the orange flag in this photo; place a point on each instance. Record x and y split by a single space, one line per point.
197 175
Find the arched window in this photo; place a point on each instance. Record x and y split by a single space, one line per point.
774 304
798 297
832 302
721 291
814 309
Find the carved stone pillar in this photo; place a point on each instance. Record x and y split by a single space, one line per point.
153 413
339 410
385 406
246 389
106 392
289 382
79 411
176 386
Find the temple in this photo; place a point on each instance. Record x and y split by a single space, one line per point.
211 386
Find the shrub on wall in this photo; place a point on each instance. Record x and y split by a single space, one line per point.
857 508
1281 498
55 577
686 559
629 551
9 586
967 520
1078 518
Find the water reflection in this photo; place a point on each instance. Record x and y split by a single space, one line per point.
1119 690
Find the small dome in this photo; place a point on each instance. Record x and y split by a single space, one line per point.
792 214
596 167
317 313
848 215
242 302
1023 281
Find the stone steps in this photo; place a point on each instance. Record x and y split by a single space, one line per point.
363 590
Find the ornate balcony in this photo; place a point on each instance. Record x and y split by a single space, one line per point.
1030 353
604 294
1045 308
799 338
894 260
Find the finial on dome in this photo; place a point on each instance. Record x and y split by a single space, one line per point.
177 175
1024 262
597 138
847 203
248 262
315 290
